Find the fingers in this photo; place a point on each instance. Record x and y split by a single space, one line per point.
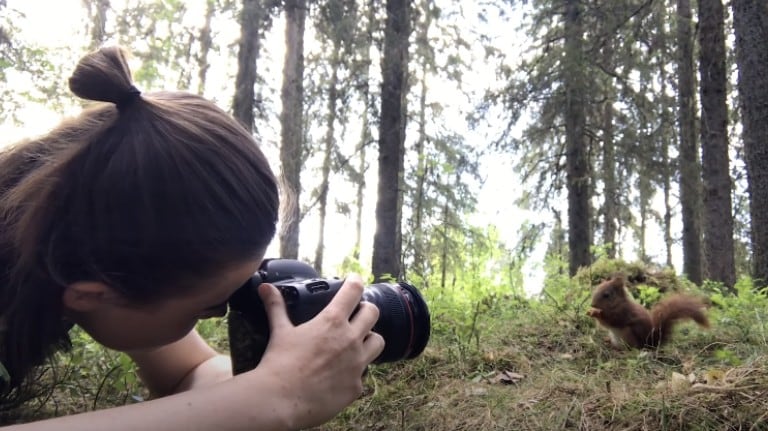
274 306
359 317
348 296
373 345
366 317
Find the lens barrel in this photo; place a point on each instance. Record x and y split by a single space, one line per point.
404 320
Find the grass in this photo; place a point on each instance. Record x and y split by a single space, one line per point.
541 369
520 365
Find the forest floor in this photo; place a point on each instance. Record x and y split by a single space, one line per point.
520 365
533 370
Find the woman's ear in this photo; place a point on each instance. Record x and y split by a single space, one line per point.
85 296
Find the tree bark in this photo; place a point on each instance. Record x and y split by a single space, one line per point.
688 159
387 239
667 136
333 97
610 195
98 21
419 246
750 19
247 58
205 47
291 121
718 215
365 135
577 170
644 209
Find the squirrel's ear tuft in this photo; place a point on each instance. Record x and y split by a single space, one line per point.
618 279
617 283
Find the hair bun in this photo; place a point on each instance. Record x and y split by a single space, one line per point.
128 98
104 75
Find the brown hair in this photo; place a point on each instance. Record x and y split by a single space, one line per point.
146 193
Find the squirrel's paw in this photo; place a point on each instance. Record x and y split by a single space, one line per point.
594 312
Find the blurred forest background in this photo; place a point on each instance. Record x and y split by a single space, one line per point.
446 141
502 156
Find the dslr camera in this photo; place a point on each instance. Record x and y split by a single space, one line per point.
404 320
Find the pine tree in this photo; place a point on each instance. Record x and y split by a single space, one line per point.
751 27
292 124
718 217
387 239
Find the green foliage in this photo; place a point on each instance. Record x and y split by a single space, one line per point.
744 312
92 376
352 264
30 75
214 331
567 295
463 294
491 348
648 294
604 268
727 356
482 322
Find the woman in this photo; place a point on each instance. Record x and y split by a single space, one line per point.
135 220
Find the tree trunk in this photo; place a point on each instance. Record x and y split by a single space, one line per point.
98 21
205 47
750 19
185 72
444 247
365 135
668 241
644 191
577 175
421 175
556 246
718 216
610 207
333 96
688 159
394 67
361 168
292 123
247 57
667 132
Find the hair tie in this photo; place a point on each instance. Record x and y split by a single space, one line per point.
128 98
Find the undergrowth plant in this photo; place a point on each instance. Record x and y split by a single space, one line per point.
498 360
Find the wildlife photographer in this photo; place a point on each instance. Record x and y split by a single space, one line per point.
138 218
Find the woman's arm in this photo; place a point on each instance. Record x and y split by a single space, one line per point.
246 402
186 364
308 374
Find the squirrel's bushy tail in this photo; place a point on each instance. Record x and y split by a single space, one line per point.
672 309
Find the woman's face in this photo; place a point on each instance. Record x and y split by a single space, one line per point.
121 325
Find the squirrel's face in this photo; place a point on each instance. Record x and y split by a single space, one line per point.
607 292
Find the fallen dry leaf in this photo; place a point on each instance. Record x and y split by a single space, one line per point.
506 377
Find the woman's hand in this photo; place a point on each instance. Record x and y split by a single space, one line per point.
318 365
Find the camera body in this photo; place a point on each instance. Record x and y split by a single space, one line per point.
404 320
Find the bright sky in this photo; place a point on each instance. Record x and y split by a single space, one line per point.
51 24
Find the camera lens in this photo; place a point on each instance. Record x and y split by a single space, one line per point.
404 321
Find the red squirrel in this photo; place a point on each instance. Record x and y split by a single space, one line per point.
630 324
